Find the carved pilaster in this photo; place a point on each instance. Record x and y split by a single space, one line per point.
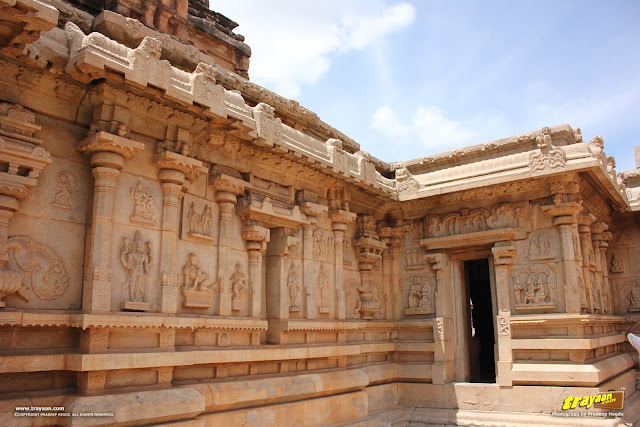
588 262
504 254
443 369
564 217
107 153
313 211
256 238
227 186
339 220
281 274
601 239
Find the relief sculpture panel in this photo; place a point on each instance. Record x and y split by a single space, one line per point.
197 220
534 287
544 244
503 215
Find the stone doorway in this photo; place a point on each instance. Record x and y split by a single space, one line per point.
480 322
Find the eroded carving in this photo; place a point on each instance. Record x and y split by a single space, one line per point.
502 215
322 245
419 298
617 265
65 188
369 301
548 158
544 244
238 287
414 257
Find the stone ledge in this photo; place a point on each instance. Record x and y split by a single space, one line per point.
562 343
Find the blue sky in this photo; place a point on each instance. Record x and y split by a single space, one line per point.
411 78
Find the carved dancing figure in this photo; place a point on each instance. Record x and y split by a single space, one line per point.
238 286
136 257
192 275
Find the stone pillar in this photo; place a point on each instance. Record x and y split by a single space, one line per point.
107 153
277 292
339 220
307 268
392 237
504 254
601 239
174 170
256 238
443 333
227 188
564 214
586 249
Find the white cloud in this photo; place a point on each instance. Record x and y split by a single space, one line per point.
430 126
293 42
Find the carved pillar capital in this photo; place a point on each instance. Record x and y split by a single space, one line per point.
563 213
438 261
255 236
177 167
504 254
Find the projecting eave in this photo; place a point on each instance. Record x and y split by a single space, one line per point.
511 160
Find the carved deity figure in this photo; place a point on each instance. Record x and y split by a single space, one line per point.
143 203
293 286
64 190
518 288
414 295
616 264
634 299
323 287
135 257
192 275
238 286
193 219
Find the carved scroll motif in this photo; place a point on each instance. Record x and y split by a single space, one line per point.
44 270
534 287
502 215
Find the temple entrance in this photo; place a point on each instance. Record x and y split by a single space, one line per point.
480 326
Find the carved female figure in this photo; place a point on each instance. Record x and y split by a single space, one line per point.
323 286
206 219
136 257
293 286
193 219
414 295
518 288
64 190
238 285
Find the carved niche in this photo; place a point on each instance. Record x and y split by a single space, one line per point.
136 257
144 207
65 188
544 244
420 295
502 215
40 271
548 158
197 220
195 288
534 287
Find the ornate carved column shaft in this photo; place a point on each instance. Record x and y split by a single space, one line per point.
591 281
443 369
340 218
503 258
174 170
107 152
256 238
565 219
307 268
226 188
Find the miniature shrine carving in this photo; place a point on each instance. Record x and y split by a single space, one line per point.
548 158
238 287
144 209
368 302
196 291
136 257
65 188
534 287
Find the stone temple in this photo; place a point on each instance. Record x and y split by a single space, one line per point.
179 245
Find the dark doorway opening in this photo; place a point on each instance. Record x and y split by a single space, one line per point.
481 338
